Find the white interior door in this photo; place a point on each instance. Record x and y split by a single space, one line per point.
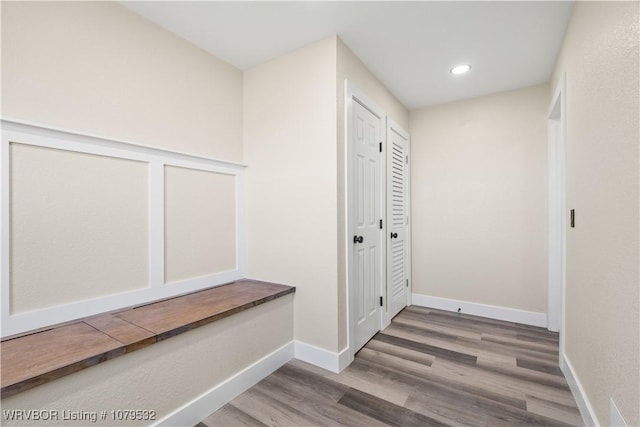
366 237
397 219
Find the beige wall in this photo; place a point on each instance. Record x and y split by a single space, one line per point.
600 58
200 223
290 150
350 67
294 149
70 213
478 199
98 68
169 374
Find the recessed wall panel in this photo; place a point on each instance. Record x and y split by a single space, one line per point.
200 223
78 226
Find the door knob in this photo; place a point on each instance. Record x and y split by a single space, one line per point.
394 235
358 239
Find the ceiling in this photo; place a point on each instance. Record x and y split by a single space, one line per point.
409 46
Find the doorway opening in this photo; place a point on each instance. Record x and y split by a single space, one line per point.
556 209
377 216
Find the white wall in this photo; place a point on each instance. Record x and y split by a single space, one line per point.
290 150
600 58
478 199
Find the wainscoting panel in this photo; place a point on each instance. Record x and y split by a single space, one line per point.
89 225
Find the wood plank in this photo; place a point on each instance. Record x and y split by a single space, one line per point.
421 328
312 404
384 411
539 366
317 380
403 353
229 415
525 345
360 379
567 414
524 374
458 407
506 350
479 349
485 324
402 365
528 336
132 336
485 357
427 349
178 315
422 322
270 411
467 320
443 381
492 382
35 359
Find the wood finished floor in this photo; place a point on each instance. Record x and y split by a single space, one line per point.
428 368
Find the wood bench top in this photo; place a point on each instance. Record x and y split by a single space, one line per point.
37 358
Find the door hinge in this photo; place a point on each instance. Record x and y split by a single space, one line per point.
407 159
380 224
381 147
381 304
572 220
407 283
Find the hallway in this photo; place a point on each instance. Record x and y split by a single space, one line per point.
429 367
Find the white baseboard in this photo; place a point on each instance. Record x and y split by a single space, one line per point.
615 417
329 360
491 311
199 408
586 410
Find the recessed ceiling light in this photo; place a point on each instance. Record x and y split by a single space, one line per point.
460 69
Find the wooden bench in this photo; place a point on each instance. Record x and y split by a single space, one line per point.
37 358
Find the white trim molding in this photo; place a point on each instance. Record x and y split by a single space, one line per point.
156 160
9 123
615 416
483 310
353 94
202 406
556 208
586 410
325 359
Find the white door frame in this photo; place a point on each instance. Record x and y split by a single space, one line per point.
392 126
556 211
352 95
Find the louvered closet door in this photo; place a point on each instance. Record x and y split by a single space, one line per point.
397 220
